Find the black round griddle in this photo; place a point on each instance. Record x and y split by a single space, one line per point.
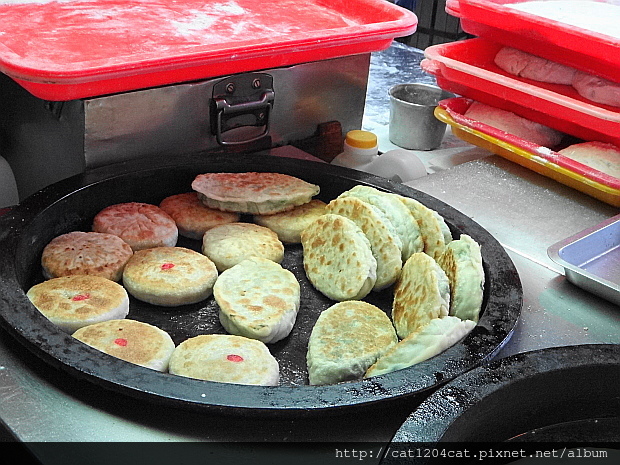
565 396
71 205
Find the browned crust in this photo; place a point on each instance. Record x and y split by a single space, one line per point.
141 225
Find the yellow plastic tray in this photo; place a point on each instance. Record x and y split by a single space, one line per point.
531 160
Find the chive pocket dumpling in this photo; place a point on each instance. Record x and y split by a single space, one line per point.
399 215
462 263
338 259
346 340
384 241
421 294
425 342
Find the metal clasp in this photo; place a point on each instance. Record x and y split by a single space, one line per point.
241 106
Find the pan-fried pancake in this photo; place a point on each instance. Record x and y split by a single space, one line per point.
425 342
130 340
141 225
421 294
289 224
169 276
346 339
71 302
433 229
252 192
89 253
338 259
462 263
258 299
193 217
405 224
384 241
225 359
229 244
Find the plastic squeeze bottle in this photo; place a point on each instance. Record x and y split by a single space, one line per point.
361 152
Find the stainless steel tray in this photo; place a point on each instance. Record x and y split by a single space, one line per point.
591 259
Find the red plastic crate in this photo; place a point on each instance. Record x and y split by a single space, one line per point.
580 48
466 68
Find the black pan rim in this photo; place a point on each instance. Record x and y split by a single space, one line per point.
471 390
493 331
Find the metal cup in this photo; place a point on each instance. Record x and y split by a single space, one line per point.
413 124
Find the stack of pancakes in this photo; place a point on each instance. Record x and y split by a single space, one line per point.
367 241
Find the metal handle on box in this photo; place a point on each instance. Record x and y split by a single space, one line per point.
262 106
239 103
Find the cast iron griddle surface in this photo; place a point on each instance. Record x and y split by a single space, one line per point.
71 205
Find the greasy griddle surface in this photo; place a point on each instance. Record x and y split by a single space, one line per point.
72 204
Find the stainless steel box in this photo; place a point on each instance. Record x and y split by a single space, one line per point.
47 141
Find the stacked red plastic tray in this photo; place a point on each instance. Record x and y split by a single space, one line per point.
467 68
70 49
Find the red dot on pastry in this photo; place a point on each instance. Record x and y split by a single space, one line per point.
234 358
167 266
79 297
120 342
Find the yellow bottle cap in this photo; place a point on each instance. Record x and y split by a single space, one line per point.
361 139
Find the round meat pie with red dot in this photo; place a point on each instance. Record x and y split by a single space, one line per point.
71 302
130 340
169 276
141 225
226 359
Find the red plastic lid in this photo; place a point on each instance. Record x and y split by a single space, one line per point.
68 49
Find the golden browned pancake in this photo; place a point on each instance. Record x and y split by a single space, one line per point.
192 216
425 342
384 241
226 359
88 253
130 340
252 192
258 299
433 229
421 294
338 259
141 225
289 224
347 338
169 276
462 263
229 244
71 302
